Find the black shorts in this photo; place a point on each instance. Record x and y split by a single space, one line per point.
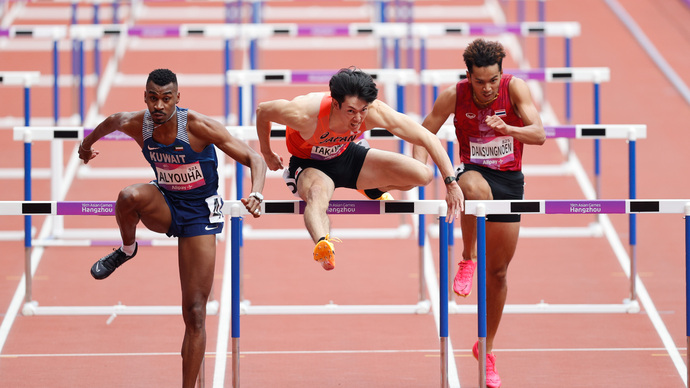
504 185
189 218
343 169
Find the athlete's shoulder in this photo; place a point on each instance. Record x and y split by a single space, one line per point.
126 121
198 122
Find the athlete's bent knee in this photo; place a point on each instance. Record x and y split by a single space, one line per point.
128 196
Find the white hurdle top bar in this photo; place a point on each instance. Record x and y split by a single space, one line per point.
251 77
447 132
263 30
548 74
24 78
575 206
62 133
410 76
578 131
107 208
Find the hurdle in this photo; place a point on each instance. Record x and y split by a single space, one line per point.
481 209
582 131
25 79
238 308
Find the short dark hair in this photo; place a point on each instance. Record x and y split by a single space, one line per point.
481 53
162 77
352 81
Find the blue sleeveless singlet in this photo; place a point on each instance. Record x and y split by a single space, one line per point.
187 179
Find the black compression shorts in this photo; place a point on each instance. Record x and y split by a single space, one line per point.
504 185
343 169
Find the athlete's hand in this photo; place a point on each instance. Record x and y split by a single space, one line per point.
253 206
274 161
497 124
86 154
455 200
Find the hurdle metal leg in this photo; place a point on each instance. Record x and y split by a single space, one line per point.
687 289
443 297
236 231
481 293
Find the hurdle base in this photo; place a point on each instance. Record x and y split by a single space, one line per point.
401 232
626 307
100 243
422 307
74 237
14 235
32 308
592 230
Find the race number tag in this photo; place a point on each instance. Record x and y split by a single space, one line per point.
179 177
491 152
326 152
215 208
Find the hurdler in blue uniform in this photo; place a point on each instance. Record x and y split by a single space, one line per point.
182 201
187 179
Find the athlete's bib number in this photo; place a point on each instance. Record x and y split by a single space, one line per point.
326 152
179 177
491 152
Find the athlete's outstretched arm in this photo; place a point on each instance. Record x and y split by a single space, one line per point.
299 114
128 123
409 130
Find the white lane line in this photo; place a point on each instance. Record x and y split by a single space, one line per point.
433 352
651 50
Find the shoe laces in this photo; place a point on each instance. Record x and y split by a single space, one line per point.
491 362
115 259
466 270
330 239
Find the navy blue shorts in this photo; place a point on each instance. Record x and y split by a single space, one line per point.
504 185
343 169
194 217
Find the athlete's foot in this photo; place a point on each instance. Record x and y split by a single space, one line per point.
492 378
324 252
109 263
462 285
383 195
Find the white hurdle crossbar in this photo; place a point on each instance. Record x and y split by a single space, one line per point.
481 209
